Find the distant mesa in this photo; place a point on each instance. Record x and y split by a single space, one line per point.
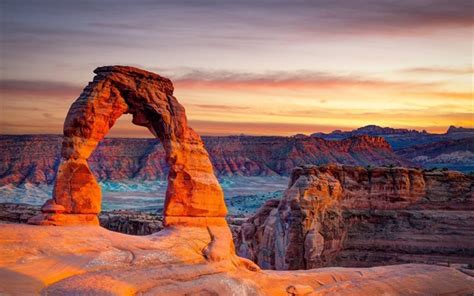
452 129
400 138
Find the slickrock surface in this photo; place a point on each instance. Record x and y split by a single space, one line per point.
354 216
193 190
35 158
90 260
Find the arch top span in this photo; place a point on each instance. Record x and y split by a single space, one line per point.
193 196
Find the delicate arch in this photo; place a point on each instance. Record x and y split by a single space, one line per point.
193 190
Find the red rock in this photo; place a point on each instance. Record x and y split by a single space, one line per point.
50 206
296 290
34 158
354 216
193 190
85 260
64 219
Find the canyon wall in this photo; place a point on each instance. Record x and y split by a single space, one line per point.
354 216
35 158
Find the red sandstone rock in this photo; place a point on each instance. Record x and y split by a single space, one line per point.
297 290
50 206
94 261
34 158
193 190
354 216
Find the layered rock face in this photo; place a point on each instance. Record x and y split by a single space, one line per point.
266 156
35 158
193 190
354 216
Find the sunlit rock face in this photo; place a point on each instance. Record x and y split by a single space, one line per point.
84 260
355 216
193 190
303 230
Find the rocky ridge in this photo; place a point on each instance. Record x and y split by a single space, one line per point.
90 260
35 158
452 154
400 138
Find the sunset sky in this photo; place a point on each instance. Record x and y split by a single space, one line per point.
252 67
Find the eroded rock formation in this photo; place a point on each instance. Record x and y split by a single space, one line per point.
85 260
354 216
34 158
193 193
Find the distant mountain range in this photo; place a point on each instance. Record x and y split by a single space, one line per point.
452 154
400 138
453 149
34 158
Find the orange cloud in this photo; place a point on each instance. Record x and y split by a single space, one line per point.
196 79
440 70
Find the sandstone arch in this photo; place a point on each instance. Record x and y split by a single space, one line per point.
193 194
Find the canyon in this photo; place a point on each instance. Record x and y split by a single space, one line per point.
35 158
352 216
64 251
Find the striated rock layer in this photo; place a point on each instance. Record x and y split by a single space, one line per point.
89 260
193 190
354 216
35 158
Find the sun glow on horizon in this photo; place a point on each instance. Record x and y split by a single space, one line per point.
275 70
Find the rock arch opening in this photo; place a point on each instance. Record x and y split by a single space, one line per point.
193 196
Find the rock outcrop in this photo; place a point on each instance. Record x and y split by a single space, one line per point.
354 216
85 260
193 193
